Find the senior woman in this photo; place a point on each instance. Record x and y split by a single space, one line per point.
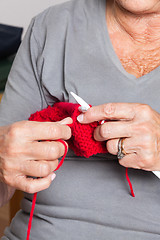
109 53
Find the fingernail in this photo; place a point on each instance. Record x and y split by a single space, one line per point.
53 176
81 109
80 118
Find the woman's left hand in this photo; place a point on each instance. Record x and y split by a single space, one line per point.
138 124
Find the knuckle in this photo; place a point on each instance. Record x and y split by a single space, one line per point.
145 111
53 151
109 109
105 131
146 163
55 131
29 188
44 169
14 131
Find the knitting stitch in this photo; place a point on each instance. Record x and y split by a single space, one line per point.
82 141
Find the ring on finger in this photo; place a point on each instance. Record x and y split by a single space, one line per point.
121 152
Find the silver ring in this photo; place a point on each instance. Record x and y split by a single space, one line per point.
121 152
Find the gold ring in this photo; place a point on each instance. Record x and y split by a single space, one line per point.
121 152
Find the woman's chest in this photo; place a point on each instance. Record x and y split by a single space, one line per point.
136 58
140 62
88 69
103 83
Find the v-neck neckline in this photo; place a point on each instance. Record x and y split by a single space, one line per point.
111 52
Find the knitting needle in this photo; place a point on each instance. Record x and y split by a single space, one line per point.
85 106
157 173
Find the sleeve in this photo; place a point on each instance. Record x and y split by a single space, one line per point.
23 94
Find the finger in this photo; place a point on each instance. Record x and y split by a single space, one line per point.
117 129
48 150
31 185
111 111
47 130
82 109
66 121
39 168
112 146
130 145
130 161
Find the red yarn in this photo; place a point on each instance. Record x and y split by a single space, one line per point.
81 142
35 194
31 216
130 184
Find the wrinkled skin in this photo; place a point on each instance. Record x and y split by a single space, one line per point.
139 124
136 25
24 152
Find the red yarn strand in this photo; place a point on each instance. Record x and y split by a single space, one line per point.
35 194
82 142
130 184
65 153
31 216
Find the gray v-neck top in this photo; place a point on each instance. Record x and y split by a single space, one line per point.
67 48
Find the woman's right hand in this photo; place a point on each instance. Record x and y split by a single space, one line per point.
25 153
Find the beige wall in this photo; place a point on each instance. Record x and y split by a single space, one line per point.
20 12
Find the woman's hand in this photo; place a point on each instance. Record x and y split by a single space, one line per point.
139 124
25 153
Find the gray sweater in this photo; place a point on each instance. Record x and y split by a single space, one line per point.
67 48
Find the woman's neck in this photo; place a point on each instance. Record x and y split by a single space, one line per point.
135 38
140 27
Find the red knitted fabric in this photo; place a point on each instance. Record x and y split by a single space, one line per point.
82 141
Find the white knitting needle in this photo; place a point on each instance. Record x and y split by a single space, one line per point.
85 106
157 173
